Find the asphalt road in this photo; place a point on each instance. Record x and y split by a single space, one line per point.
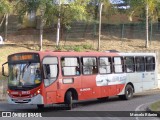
138 103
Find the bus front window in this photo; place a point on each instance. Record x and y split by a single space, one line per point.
27 74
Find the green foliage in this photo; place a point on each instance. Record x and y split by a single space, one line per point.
155 106
59 48
77 48
87 46
93 9
68 12
149 9
5 6
78 10
137 8
23 6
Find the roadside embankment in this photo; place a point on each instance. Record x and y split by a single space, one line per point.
155 107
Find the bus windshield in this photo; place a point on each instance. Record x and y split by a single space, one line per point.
24 75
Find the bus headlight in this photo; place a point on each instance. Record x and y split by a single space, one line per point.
38 91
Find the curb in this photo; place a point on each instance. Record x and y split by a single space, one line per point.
150 110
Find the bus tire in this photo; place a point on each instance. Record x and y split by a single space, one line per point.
128 93
40 106
69 100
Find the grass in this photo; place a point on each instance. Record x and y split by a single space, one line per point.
155 106
78 48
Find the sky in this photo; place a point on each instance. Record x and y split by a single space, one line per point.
116 1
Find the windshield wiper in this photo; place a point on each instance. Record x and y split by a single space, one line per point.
16 88
26 86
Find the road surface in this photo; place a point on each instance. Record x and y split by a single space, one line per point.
138 103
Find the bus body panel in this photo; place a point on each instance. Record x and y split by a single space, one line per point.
149 80
141 80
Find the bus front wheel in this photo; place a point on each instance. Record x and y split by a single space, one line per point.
128 93
69 100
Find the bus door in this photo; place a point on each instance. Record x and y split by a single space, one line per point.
50 69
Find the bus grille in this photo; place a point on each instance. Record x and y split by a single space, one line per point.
21 95
21 100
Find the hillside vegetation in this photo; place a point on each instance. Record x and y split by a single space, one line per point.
28 43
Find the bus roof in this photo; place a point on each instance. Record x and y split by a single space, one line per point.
137 54
94 53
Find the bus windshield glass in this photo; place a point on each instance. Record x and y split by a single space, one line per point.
24 70
24 75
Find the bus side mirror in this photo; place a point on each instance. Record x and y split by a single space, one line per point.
3 73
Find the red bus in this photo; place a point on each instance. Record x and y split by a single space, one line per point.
50 77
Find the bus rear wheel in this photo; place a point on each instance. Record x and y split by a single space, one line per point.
69 100
128 93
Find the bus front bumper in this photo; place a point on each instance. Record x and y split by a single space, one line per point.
38 99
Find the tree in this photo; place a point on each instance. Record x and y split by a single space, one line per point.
27 6
72 11
68 11
5 8
149 7
95 9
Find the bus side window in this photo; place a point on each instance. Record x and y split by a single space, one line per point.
129 64
105 65
50 71
118 64
89 65
46 71
70 66
150 63
140 65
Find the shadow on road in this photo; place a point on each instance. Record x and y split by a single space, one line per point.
62 107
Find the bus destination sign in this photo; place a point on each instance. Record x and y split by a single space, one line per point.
23 57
